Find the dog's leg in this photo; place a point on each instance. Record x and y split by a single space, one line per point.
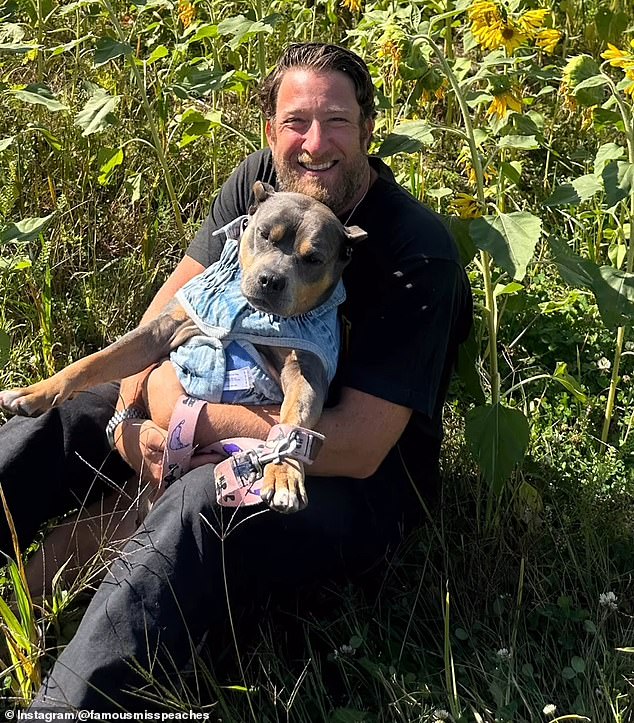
305 385
132 353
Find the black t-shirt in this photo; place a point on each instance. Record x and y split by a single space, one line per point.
408 301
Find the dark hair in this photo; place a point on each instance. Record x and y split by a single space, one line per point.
319 57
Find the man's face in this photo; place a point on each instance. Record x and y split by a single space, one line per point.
317 138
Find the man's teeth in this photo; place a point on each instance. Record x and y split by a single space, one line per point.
317 166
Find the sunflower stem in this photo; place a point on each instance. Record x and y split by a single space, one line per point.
490 310
622 330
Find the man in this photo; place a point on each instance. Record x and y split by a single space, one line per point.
408 309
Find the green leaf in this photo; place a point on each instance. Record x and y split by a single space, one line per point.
408 137
610 25
5 348
510 238
108 49
98 112
459 228
467 367
614 291
522 143
25 230
617 253
569 382
593 81
564 195
511 288
618 179
604 119
242 29
511 170
587 186
159 52
574 269
196 82
568 673
39 94
582 75
499 437
578 664
71 45
108 160
17 48
204 31
6 142
575 192
133 186
612 288
606 153
53 141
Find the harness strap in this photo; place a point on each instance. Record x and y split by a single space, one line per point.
239 468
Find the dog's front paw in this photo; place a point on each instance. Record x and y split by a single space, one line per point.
31 401
283 488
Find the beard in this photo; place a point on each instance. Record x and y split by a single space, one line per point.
338 199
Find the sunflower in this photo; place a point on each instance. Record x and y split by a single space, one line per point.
354 6
491 31
466 206
618 58
629 89
186 13
493 27
503 103
547 40
531 21
464 162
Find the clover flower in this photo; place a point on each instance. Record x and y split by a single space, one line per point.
504 654
343 651
608 600
550 709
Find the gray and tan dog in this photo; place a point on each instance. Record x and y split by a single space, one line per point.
291 256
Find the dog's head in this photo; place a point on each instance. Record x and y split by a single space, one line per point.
292 252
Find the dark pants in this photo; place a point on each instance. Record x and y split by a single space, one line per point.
168 586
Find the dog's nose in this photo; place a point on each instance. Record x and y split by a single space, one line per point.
272 282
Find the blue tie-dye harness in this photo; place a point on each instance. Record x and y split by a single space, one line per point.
222 364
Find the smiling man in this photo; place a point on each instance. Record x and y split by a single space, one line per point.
408 309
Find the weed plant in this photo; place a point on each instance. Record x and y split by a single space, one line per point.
119 122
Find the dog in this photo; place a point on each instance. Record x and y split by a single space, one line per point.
290 256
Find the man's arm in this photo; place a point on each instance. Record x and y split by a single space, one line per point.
359 431
128 435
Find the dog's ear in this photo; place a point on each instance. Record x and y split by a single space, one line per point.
262 191
354 235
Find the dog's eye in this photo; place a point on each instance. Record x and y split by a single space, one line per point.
264 232
312 259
